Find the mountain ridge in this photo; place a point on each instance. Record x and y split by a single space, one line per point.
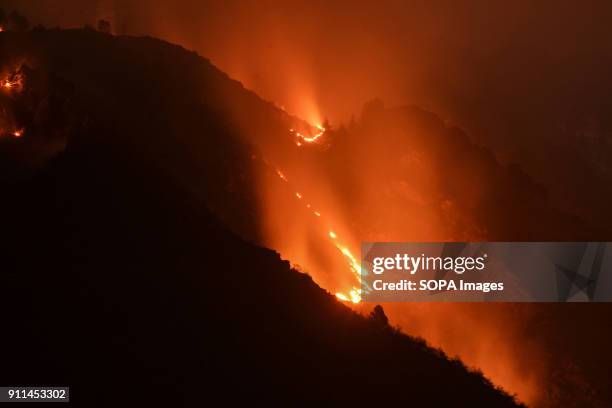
105 251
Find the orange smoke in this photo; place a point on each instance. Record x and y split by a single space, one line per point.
315 216
352 294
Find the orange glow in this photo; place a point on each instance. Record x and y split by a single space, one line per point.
12 81
301 138
317 231
18 133
336 65
342 297
353 294
281 175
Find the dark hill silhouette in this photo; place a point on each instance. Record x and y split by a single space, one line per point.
174 106
119 281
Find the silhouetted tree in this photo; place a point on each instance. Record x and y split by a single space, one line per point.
379 317
17 22
326 124
104 26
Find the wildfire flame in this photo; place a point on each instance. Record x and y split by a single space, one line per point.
12 81
16 133
301 138
354 293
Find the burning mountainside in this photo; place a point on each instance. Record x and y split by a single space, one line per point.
354 293
311 194
145 278
390 173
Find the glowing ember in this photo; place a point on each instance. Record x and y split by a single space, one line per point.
281 175
18 133
308 139
12 81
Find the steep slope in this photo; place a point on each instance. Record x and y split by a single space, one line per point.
118 280
178 109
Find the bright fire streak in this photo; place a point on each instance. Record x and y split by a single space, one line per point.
342 296
308 139
281 175
352 261
354 295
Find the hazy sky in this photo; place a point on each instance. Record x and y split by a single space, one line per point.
502 70
387 48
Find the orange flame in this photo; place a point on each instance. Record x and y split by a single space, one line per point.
16 133
301 138
12 81
353 294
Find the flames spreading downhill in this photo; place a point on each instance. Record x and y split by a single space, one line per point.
352 294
